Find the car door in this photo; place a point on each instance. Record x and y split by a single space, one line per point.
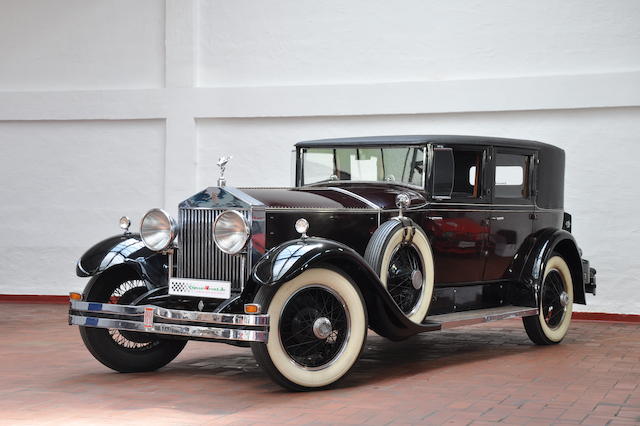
512 212
457 225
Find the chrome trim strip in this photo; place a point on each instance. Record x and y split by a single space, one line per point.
238 193
326 210
171 314
357 197
375 182
480 210
419 209
459 319
79 264
191 331
482 204
257 244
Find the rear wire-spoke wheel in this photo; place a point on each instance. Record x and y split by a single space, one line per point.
318 326
121 350
555 304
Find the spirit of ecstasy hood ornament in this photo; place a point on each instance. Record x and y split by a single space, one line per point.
222 163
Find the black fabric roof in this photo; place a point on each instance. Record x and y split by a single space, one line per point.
421 139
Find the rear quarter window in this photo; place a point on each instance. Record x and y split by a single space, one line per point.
512 176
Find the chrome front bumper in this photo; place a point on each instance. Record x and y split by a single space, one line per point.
158 320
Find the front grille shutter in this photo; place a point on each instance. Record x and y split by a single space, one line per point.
198 255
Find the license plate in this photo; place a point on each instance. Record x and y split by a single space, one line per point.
200 288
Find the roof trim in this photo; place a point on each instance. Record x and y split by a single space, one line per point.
424 139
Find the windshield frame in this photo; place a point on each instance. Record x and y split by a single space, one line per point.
300 165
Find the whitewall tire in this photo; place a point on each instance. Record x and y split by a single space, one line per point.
405 268
317 330
555 305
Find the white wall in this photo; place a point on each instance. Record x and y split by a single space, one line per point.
75 44
110 108
249 42
64 184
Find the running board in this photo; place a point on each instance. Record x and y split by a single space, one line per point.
459 319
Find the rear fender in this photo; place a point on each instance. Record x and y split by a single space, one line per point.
528 267
290 259
126 250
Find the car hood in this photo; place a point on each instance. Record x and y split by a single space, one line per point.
356 196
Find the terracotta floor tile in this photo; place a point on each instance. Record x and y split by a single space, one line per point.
474 375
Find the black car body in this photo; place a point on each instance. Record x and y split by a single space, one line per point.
419 232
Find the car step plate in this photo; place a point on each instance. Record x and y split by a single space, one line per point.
459 319
210 289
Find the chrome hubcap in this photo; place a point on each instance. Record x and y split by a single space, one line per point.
416 279
322 328
564 298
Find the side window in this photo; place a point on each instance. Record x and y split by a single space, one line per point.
512 176
468 174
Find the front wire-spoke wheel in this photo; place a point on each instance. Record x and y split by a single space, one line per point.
555 304
121 350
318 327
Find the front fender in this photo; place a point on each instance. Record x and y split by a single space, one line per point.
290 259
528 268
129 250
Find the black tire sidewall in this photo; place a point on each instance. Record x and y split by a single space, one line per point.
102 346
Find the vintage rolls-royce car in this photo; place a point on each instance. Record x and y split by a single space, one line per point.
397 234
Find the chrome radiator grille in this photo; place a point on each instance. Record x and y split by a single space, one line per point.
198 255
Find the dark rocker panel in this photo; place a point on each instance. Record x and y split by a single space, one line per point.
469 297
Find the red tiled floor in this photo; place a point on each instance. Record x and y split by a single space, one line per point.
475 375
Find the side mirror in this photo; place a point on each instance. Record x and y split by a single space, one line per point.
443 170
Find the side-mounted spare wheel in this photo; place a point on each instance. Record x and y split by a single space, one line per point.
125 351
555 304
399 252
318 327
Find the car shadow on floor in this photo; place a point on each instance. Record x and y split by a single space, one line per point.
382 361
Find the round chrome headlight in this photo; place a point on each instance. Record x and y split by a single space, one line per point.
157 229
230 232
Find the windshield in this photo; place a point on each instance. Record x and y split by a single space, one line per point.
384 164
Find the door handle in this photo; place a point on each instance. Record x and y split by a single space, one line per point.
497 217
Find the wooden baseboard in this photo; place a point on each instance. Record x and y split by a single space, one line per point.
604 316
580 316
33 298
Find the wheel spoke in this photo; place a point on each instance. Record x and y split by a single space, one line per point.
125 294
297 322
553 288
404 262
